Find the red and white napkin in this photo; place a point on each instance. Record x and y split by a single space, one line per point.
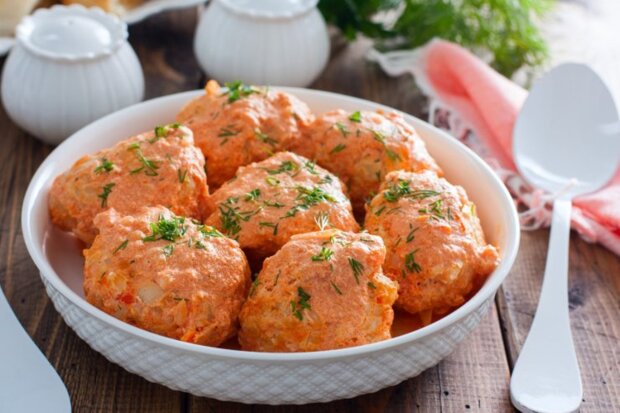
479 106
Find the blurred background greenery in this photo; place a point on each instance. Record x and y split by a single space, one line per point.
505 30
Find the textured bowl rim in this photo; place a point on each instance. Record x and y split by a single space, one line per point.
487 291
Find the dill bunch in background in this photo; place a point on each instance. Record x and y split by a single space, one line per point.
504 28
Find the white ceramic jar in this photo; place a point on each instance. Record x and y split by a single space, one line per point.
69 67
264 42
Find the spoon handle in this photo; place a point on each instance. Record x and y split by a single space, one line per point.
546 376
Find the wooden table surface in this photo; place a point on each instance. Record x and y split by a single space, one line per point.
473 379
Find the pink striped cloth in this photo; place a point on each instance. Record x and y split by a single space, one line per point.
479 106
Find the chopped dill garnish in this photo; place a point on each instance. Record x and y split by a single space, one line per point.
263 137
338 148
357 267
322 220
226 132
336 288
270 225
122 246
273 204
168 250
324 255
181 174
342 128
162 131
380 210
434 210
107 189
166 229
209 231
309 166
301 304
356 117
410 263
252 195
411 234
231 217
286 166
254 286
106 166
271 181
327 179
312 196
237 90
148 166
403 190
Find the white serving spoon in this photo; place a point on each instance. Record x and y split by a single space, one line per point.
28 382
567 142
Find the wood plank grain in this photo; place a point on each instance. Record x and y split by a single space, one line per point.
594 299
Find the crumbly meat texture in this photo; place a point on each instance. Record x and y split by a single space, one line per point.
241 124
436 248
270 201
167 274
161 167
362 147
323 290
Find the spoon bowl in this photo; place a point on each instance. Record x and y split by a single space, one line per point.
565 141
565 137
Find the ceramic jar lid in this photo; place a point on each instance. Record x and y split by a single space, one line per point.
270 8
71 33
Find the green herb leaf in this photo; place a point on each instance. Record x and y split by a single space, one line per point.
357 267
168 250
167 229
252 195
237 90
338 148
356 117
254 286
303 303
265 138
105 193
148 166
106 166
410 263
336 288
122 246
411 234
324 255
342 128
181 174
403 190
270 225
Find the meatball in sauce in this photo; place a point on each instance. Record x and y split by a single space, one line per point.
436 248
323 290
161 167
167 274
239 124
270 201
362 147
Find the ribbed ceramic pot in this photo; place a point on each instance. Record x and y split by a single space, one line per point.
69 67
263 42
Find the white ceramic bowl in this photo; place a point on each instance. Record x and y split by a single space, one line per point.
273 378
